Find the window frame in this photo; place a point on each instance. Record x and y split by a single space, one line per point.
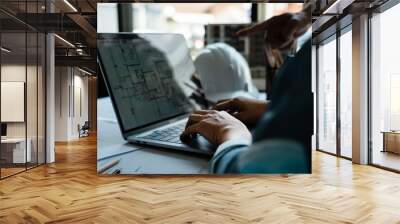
28 29
336 36
378 10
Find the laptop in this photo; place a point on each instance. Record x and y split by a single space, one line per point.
148 77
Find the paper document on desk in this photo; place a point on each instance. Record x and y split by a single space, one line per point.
110 142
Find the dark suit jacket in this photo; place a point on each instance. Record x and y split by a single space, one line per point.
282 138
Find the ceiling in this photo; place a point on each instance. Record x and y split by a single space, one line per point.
337 15
15 42
74 22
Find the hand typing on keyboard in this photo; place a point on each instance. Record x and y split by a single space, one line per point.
216 126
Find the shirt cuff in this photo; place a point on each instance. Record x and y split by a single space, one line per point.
230 143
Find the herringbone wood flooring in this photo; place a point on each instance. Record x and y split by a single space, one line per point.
69 191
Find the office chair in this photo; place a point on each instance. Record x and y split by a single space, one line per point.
84 130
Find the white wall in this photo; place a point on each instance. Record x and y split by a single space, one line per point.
62 81
79 117
14 73
70 83
33 126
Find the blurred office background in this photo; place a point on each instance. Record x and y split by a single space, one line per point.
200 23
48 79
357 81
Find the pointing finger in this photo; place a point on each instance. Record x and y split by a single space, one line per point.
260 27
227 105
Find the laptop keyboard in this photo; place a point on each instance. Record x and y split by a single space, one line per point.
170 134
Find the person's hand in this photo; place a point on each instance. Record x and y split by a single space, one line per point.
247 110
281 31
216 126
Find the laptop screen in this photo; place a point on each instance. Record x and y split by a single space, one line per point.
146 76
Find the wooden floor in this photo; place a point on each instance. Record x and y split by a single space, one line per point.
5 172
69 191
386 159
10 171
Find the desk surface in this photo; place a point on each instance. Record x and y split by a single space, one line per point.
136 159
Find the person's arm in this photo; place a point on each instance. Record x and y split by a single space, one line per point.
226 154
216 126
288 118
220 128
247 110
282 30
274 156
235 154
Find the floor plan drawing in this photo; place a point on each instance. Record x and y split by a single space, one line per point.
143 82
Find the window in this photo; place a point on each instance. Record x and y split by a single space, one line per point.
22 78
346 94
327 96
385 89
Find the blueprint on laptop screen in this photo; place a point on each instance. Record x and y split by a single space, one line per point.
146 76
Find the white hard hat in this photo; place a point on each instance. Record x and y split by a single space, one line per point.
224 73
